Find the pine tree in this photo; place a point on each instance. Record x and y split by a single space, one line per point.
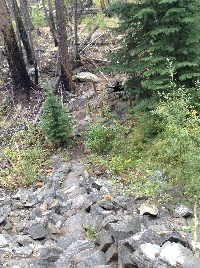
154 31
55 121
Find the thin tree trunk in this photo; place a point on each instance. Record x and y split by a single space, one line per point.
25 11
66 76
52 23
76 29
23 33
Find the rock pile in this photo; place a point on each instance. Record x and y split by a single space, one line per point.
74 220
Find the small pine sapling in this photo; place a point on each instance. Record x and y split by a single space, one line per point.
55 121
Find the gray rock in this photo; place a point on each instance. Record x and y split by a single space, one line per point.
191 262
122 229
25 251
175 237
78 246
106 204
37 231
24 240
90 257
50 254
4 212
65 241
124 256
148 236
146 255
111 254
183 211
65 206
3 241
105 240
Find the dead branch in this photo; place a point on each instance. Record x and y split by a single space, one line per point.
88 37
91 43
38 116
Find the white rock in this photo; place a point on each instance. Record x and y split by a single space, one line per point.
174 252
147 207
87 76
150 250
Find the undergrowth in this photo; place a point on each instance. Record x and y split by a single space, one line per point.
164 139
24 159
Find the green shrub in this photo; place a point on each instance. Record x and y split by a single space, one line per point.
176 149
99 137
55 121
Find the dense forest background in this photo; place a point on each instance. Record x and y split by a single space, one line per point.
150 59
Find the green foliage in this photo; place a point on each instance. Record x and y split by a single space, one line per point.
55 122
177 147
24 159
91 20
99 137
90 230
153 31
38 17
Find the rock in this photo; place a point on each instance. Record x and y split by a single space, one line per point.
106 204
124 256
87 76
37 231
105 240
191 262
175 237
146 255
173 253
24 240
25 251
3 241
148 208
50 254
148 236
122 229
90 257
182 211
111 254
4 212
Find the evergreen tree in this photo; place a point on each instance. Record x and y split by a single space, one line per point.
154 31
55 121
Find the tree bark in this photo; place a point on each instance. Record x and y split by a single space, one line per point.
23 33
66 76
25 11
19 75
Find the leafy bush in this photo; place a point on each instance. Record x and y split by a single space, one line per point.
99 137
177 146
55 122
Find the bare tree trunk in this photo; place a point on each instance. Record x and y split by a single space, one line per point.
20 77
76 29
66 76
50 19
23 33
25 11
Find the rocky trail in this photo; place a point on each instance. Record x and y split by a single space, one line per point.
74 219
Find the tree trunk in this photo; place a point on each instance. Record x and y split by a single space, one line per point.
23 33
66 76
25 11
20 77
